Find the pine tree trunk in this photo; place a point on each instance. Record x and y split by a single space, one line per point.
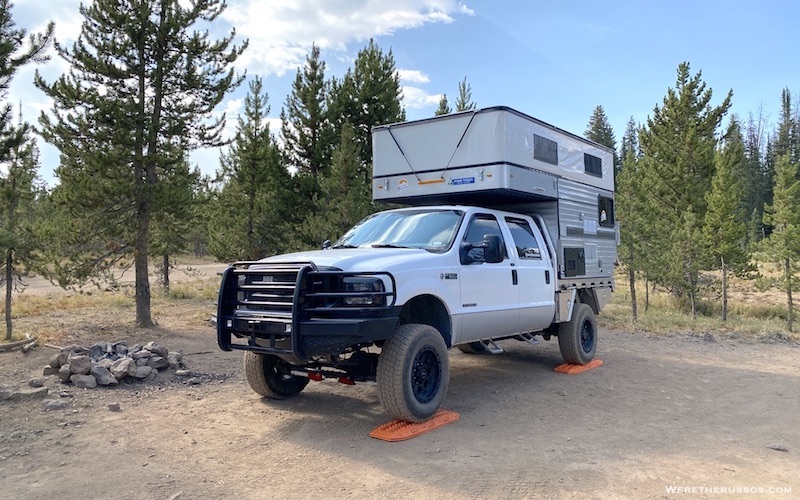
632 282
789 301
143 318
165 272
9 288
646 294
694 305
724 290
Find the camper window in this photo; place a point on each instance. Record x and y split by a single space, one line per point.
605 211
545 150
593 165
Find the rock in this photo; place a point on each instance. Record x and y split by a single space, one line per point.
122 368
29 394
103 376
136 348
175 354
142 372
778 447
142 361
195 381
98 349
54 404
152 376
114 407
36 382
6 393
141 354
61 360
105 363
55 362
173 361
79 364
64 372
182 373
121 348
49 370
84 381
157 363
157 349
709 337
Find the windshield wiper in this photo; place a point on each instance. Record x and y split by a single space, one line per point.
387 245
345 245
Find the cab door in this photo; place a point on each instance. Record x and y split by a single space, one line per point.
536 289
489 292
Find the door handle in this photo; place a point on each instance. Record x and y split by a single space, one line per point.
514 279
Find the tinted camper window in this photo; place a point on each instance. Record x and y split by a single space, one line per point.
545 150
593 165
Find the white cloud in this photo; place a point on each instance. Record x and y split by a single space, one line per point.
416 98
281 31
413 76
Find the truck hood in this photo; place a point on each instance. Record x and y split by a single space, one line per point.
359 259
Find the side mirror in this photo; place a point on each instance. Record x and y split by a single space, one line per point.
326 244
492 249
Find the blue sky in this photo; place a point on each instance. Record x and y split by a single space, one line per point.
553 60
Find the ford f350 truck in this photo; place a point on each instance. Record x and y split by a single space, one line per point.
509 233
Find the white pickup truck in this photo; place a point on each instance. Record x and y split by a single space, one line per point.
388 299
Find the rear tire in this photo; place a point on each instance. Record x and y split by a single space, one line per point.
478 347
269 376
577 339
413 373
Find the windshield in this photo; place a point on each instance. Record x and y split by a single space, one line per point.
432 230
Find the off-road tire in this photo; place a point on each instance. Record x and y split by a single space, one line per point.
472 348
413 373
577 338
268 376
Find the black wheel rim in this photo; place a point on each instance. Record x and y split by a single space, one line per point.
425 375
587 336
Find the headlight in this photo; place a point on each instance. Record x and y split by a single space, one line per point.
367 286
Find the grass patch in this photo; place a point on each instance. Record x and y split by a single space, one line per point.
669 314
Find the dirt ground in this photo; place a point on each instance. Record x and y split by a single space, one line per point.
663 412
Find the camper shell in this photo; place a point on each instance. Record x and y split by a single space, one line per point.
501 158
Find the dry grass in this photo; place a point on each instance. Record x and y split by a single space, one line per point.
759 314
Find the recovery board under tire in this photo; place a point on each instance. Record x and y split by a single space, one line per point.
577 338
269 376
413 373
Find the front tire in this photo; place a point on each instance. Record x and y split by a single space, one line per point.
577 339
269 376
413 373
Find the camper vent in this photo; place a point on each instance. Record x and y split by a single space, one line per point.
545 150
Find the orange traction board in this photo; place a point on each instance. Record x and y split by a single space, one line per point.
399 430
571 369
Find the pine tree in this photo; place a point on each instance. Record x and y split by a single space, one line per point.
19 155
368 95
464 101
757 178
253 210
601 132
678 146
726 219
305 127
783 245
344 198
630 213
144 81
444 107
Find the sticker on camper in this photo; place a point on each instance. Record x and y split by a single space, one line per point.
462 180
402 185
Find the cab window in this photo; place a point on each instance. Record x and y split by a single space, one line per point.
524 240
479 226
